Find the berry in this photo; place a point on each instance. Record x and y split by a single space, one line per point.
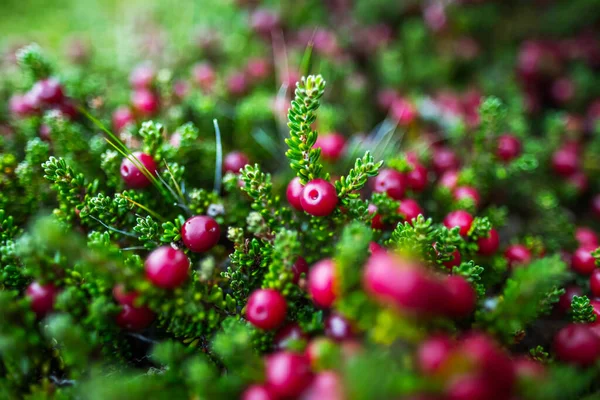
144 102
595 282
416 179
204 76
517 254
42 298
578 181
489 245
258 392
332 146
462 297
433 353
47 91
321 283
294 193
509 147
131 173
257 69
596 206
237 84
376 221
142 76
526 368
409 209
167 268
565 161
287 374
263 22
319 198
583 262
200 233
375 247
266 308
325 385
459 218
181 89
235 161
22 105
454 262
391 182
467 192
444 160
403 111
449 179
122 117
577 344
564 303
289 333
299 267
134 318
338 328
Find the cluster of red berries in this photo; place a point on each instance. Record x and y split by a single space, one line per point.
318 197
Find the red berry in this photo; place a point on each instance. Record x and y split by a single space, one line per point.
258 392
444 160
517 254
595 282
449 179
287 334
376 222
134 318
141 77
391 182
204 76
237 84
122 117
586 237
42 298
403 111
321 283
454 262
266 308
298 268
409 209
565 161
258 69
22 105
325 385
596 206
416 179
509 147
235 161
433 353
332 146
264 21
319 198
338 327
489 245
132 175
467 192
579 181
526 368
375 247
144 102
459 218
470 387
583 262
294 193
181 89
562 90
47 91
200 233
462 297
287 374
167 268
577 344
564 303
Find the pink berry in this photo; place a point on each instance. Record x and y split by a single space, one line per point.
454 261
416 179
376 222
338 327
235 161
47 91
489 245
237 84
459 218
374 247
22 106
586 237
583 262
449 179
565 162
258 392
332 146
403 111
167 268
287 334
141 77
433 353
321 283
122 117
517 254
264 22
409 209
258 69
462 297
319 198
132 175
509 147
204 76
595 282
577 344
266 308
391 182
299 267
564 303
200 233
42 298
467 192
294 193
444 160
287 374
144 102
579 181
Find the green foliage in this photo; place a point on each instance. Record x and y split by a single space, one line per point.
581 310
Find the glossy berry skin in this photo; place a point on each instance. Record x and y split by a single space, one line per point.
449 180
321 283
235 161
47 91
132 176
527 368
565 162
287 374
299 267
416 179
42 298
325 385
454 262
433 353
144 102
319 198
332 146
462 297
287 334
459 218
200 233
586 237
577 344
134 318
141 77
122 117
338 327
564 303
266 308
470 387
508 147
444 160
167 268
391 182
258 392
293 193
582 261
410 209
467 192
517 254
489 245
